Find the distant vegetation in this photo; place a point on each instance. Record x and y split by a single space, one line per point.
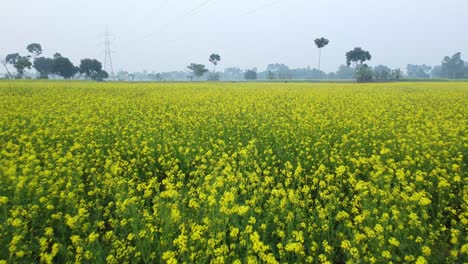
58 67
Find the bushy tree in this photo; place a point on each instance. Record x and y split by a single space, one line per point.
92 69
20 63
63 67
233 74
101 76
250 75
214 76
197 69
35 49
357 56
278 70
44 66
453 67
397 74
363 73
418 71
344 72
382 73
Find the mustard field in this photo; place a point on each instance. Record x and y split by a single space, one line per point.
233 172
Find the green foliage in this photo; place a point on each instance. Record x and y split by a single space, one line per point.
382 73
214 76
250 75
357 56
20 63
321 42
197 69
214 59
396 74
418 71
344 72
100 76
92 69
63 67
363 73
278 70
453 67
44 66
35 49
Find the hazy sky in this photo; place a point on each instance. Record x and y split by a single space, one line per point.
163 35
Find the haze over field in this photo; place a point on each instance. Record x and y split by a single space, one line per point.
166 35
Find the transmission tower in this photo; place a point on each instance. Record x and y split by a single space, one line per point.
108 55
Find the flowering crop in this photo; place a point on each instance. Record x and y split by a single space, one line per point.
233 173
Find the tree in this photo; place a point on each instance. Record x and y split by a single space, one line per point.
100 76
93 69
35 49
382 73
233 74
306 73
320 43
282 71
357 56
396 74
214 76
214 59
20 63
44 66
453 67
465 70
250 75
418 71
344 72
197 69
270 75
363 73
63 67
436 72
5 63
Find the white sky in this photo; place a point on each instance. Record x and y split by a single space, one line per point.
164 35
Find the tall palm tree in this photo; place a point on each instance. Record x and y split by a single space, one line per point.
215 58
320 43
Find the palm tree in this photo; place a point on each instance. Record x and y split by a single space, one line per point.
320 43
215 58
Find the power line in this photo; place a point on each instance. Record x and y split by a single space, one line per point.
260 8
108 54
190 13
249 12
194 11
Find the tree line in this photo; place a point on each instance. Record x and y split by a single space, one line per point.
57 66
356 67
451 68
